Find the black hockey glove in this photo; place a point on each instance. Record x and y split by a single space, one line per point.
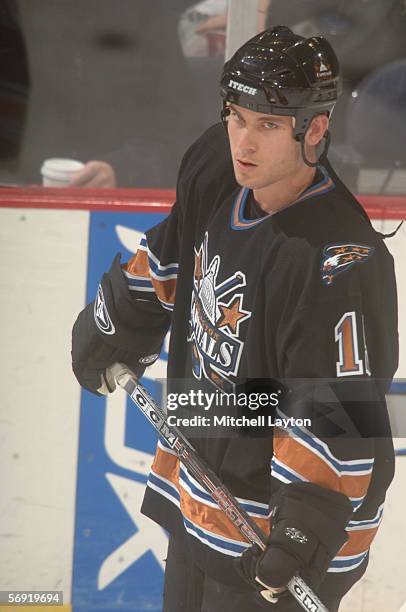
115 328
308 529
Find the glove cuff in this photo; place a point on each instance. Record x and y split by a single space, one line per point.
313 509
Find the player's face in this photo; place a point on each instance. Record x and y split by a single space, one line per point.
262 147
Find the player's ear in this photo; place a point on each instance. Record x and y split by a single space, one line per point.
317 129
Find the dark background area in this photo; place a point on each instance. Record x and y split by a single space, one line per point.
102 79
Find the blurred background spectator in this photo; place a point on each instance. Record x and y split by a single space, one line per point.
126 87
369 126
200 32
365 34
202 29
109 82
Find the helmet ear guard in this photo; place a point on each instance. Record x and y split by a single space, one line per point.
321 149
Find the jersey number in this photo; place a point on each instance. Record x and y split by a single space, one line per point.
350 363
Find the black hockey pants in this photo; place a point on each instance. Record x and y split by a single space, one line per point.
188 589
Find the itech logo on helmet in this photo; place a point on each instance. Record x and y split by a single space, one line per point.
241 87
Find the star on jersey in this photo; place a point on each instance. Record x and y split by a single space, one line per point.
338 258
215 322
233 314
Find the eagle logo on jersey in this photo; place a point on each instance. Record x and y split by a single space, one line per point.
338 258
216 315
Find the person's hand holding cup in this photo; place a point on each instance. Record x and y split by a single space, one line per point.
60 172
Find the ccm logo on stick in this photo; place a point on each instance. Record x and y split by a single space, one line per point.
156 419
309 603
241 87
145 406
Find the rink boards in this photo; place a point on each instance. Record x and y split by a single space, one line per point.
75 466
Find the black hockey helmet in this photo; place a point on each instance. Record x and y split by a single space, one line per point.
281 73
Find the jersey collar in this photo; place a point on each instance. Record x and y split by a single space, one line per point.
240 222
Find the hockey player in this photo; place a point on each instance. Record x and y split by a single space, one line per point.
267 267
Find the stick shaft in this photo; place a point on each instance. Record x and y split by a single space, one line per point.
206 477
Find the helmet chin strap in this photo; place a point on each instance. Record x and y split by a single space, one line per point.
321 149
224 114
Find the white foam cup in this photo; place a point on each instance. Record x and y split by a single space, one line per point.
58 172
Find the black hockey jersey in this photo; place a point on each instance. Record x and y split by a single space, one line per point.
306 294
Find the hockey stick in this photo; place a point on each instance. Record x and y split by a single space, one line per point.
206 477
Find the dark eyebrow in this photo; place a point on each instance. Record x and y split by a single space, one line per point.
265 117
